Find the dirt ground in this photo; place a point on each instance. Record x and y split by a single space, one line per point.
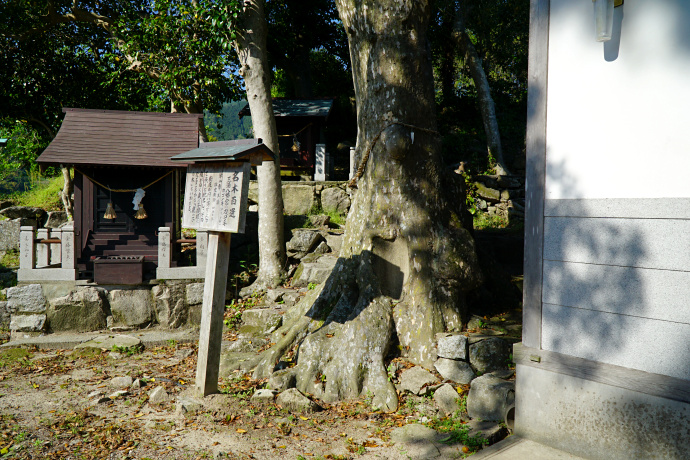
61 404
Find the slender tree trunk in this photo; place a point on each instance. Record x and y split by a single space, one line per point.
448 56
486 102
299 72
251 49
66 193
406 260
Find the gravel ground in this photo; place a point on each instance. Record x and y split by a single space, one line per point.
63 404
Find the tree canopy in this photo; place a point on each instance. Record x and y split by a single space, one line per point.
115 55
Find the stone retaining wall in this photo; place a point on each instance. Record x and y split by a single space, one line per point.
502 196
300 197
59 307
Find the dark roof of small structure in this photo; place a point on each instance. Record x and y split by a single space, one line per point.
297 108
245 149
120 138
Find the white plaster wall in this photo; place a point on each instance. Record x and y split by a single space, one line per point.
618 120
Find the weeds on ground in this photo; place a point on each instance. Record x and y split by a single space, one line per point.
44 193
15 357
483 221
128 351
336 218
458 431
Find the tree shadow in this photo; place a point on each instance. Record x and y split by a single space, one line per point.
614 288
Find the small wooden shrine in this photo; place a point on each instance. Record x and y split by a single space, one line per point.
125 186
301 126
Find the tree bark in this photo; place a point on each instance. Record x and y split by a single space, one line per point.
486 102
251 49
67 191
406 260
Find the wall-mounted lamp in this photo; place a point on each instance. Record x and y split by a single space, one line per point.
603 18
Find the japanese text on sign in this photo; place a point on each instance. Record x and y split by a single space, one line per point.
216 196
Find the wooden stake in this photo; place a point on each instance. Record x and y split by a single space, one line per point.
213 307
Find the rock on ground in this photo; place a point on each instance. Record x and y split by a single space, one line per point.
416 378
24 212
282 380
121 382
453 346
5 314
55 219
489 398
335 199
314 272
298 199
303 241
491 431
108 341
418 442
262 317
457 371
188 406
158 395
194 293
490 355
446 399
294 401
263 396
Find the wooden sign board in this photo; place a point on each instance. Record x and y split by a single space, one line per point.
215 196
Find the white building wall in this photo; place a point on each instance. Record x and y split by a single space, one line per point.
618 120
617 215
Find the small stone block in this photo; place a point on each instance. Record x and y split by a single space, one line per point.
452 347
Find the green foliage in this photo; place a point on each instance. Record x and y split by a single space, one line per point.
10 259
457 432
23 146
499 32
483 221
182 43
128 351
335 217
44 67
226 125
44 193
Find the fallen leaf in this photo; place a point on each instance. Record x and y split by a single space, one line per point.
303 417
240 430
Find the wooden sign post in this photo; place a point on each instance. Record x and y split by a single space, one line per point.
216 200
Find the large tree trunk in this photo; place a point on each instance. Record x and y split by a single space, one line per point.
486 102
251 49
406 261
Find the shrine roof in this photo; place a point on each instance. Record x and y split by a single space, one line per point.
253 150
121 138
296 108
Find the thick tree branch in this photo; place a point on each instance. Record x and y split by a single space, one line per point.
52 18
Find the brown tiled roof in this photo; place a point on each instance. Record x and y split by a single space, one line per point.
119 138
